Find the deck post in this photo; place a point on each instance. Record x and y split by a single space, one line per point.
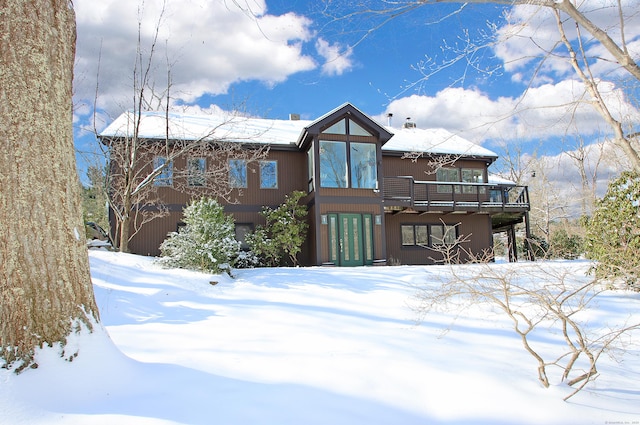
528 249
512 244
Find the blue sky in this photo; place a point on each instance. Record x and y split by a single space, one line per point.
279 57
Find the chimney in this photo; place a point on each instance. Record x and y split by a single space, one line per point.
294 117
389 116
409 123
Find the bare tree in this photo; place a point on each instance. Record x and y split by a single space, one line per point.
138 166
587 159
566 13
548 204
536 299
45 285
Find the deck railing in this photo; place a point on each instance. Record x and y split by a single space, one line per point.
404 191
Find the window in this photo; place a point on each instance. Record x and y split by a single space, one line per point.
357 130
415 234
428 234
347 126
310 168
165 178
441 234
472 175
196 171
241 232
238 173
338 128
363 165
447 175
362 168
268 174
333 164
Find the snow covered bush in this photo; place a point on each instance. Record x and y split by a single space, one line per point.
207 241
613 233
284 233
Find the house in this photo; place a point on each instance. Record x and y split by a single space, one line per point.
375 194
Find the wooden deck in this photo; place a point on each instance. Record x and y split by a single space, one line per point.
402 193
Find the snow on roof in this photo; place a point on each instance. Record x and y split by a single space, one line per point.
496 179
279 132
433 140
197 127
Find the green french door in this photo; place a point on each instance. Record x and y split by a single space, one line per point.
350 239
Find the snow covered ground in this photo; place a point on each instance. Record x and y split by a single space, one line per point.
307 346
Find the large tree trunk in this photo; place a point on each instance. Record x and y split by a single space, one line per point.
45 285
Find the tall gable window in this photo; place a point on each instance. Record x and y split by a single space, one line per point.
347 164
333 164
165 178
363 165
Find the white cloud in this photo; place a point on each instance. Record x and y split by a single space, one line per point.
210 45
337 58
547 111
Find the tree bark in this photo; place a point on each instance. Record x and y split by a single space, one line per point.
45 283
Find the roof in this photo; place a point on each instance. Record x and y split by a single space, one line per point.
198 127
434 140
496 179
285 133
349 110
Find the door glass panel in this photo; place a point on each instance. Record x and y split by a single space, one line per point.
356 239
333 238
345 239
368 238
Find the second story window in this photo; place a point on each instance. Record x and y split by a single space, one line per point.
472 175
238 173
196 168
333 164
448 175
165 178
364 173
268 174
354 166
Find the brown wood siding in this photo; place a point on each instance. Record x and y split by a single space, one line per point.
477 227
379 250
245 206
292 175
152 234
395 166
310 252
350 193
